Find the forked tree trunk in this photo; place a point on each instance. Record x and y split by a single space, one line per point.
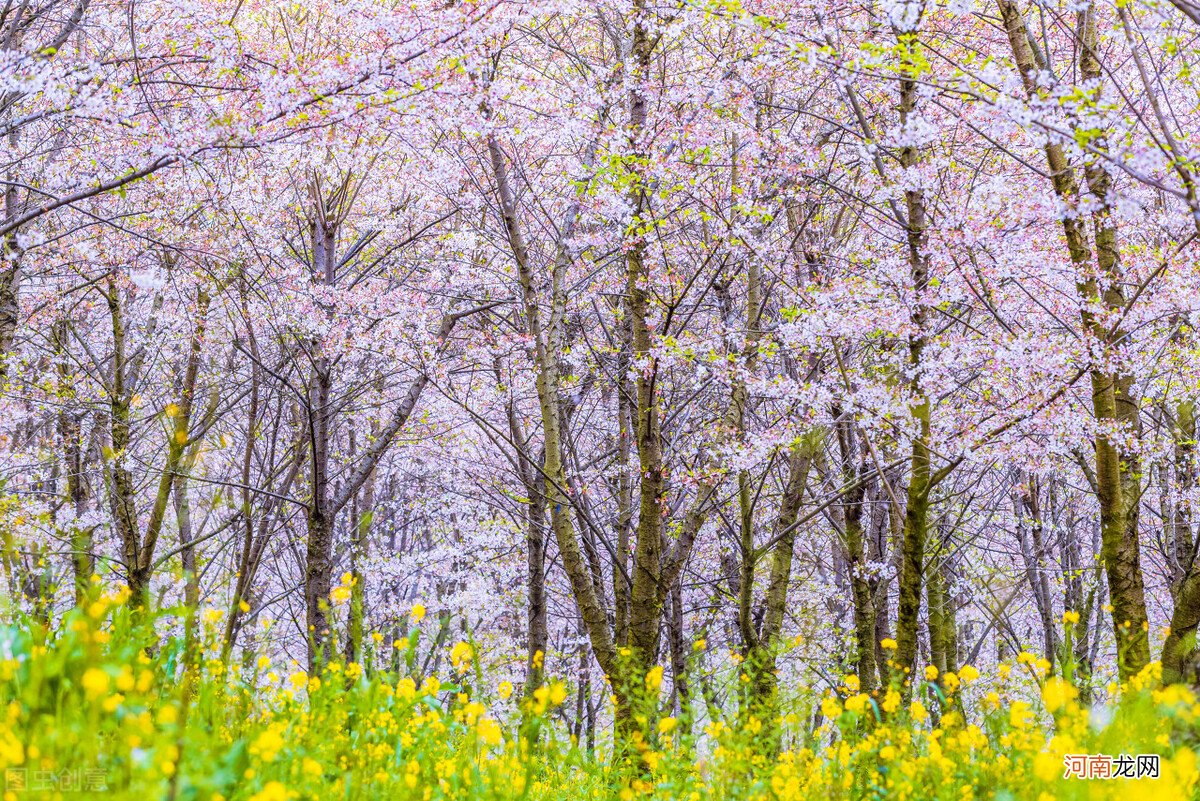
1117 479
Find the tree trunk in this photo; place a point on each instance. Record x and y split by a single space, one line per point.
121 494
535 555
362 514
943 623
1030 537
328 213
1117 485
624 488
546 346
920 483
10 272
854 471
682 694
1180 654
82 557
1180 660
761 646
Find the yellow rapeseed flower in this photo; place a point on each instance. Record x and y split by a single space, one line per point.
857 703
489 731
1057 694
95 682
541 697
273 791
460 656
268 743
1019 715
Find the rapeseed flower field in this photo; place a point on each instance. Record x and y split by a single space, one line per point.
100 706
